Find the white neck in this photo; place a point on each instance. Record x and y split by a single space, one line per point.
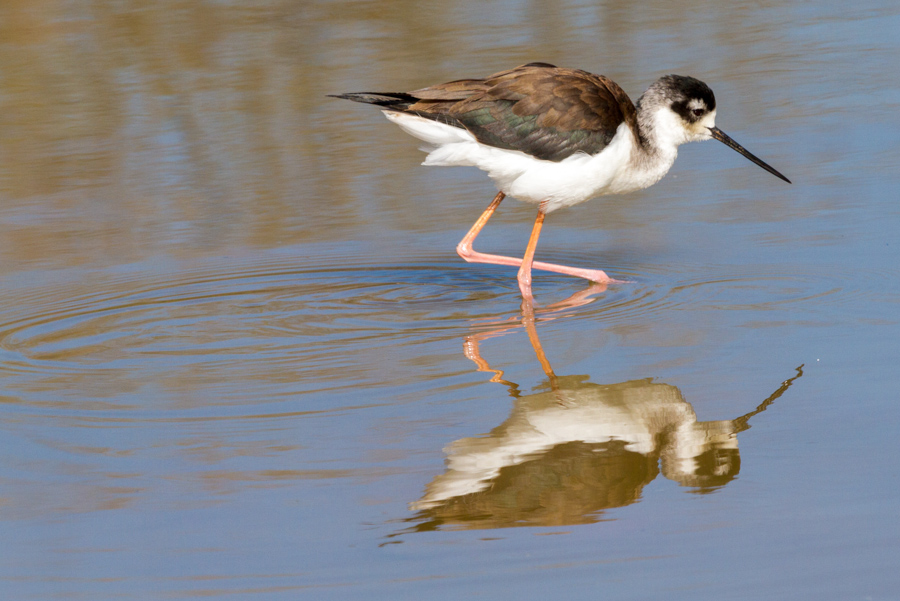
661 132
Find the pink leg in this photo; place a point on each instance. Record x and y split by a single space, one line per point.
524 276
465 250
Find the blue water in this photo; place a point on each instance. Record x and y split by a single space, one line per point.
240 358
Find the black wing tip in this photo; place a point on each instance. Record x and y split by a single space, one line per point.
388 99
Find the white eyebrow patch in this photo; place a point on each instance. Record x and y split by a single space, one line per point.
696 103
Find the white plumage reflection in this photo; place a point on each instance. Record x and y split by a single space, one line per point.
573 450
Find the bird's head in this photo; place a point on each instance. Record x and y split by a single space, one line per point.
691 106
678 109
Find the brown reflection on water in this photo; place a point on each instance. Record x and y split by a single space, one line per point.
132 129
182 128
575 449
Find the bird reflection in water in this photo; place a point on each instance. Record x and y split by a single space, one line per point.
569 452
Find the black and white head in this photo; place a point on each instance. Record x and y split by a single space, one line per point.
678 109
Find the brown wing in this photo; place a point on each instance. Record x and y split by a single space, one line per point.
542 110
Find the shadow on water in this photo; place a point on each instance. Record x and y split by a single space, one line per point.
574 449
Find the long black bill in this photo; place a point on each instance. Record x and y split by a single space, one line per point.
720 135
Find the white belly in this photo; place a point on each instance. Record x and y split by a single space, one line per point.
554 185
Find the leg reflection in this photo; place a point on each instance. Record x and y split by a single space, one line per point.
571 450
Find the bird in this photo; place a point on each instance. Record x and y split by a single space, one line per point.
554 137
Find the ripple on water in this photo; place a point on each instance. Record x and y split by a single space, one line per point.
204 329
656 291
199 331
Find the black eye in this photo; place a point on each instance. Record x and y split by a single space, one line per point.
698 112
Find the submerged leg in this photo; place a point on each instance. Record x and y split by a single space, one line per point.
465 250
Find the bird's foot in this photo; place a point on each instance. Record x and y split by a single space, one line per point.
593 275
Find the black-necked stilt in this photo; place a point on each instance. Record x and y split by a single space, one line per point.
554 137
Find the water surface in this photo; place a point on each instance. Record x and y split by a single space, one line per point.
240 358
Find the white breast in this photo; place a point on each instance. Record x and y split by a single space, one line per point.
618 169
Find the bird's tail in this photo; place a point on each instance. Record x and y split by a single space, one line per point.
397 101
